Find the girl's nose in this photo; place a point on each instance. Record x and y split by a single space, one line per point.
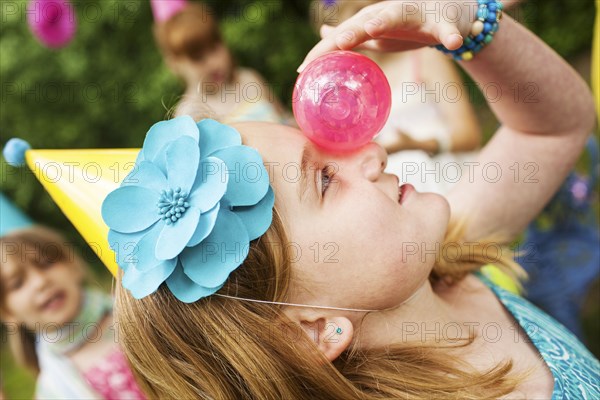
38 278
373 160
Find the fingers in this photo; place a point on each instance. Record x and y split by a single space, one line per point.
389 45
384 21
343 37
448 35
325 30
378 26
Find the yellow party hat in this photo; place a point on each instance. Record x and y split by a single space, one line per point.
78 181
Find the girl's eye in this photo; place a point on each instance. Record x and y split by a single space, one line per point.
327 175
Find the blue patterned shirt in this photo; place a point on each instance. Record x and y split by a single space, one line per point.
575 370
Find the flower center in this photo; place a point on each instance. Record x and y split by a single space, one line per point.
172 205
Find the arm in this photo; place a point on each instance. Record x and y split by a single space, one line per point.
543 131
407 142
459 116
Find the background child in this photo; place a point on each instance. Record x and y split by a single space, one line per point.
55 326
194 50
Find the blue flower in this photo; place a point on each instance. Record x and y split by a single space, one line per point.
187 212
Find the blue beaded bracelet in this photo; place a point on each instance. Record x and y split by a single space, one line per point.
482 32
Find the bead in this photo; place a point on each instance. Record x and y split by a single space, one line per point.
482 31
338 331
482 13
477 28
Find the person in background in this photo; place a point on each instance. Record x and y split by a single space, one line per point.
56 327
189 38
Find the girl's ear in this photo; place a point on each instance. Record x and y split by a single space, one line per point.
331 334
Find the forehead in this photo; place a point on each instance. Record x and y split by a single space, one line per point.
281 148
275 142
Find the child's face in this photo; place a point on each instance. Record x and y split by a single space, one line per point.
354 246
40 291
213 66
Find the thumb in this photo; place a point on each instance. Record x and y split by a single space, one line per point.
448 35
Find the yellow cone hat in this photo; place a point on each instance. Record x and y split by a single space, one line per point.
78 181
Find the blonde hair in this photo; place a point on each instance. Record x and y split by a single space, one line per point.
38 246
221 348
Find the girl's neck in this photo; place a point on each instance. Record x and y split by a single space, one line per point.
195 87
426 317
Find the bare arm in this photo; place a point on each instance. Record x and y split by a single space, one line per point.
456 111
546 112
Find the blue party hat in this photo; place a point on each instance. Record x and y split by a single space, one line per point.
11 218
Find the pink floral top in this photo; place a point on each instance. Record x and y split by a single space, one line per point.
112 378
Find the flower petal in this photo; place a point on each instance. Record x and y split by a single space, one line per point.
183 156
210 184
185 289
160 159
215 136
164 132
248 180
141 284
257 218
125 245
205 225
140 156
210 263
130 209
144 258
147 175
174 237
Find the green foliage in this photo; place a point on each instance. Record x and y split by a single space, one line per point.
565 25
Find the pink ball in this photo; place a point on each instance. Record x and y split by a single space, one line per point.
342 100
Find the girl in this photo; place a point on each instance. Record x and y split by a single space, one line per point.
194 50
56 328
389 311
